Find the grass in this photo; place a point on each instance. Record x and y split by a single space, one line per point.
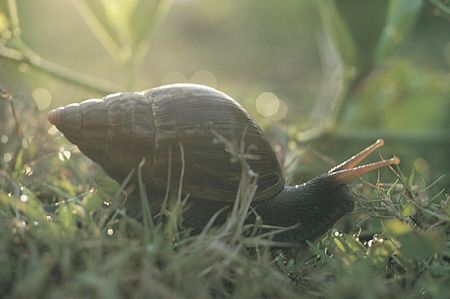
65 234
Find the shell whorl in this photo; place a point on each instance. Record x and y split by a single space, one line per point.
115 131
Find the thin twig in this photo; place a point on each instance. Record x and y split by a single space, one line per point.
441 6
180 184
21 53
99 31
50 68
14 17
164 209
5 95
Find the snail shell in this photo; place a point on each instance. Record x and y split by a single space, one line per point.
121 129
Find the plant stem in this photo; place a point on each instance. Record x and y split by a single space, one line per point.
5 95
57 71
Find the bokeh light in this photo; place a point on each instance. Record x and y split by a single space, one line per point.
7 157
269 105
204 77
23 198
42 97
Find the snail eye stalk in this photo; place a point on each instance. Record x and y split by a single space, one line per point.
348 170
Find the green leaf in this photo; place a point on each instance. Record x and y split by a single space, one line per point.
411 178
408 209
421 245
365 19
397 228
415 244
19 161
122 26
380 251
96 18
338 33
92 201
67 217
399 22
393 96
144 17
5 199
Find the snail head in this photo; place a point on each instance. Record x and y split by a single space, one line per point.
327 198
333 184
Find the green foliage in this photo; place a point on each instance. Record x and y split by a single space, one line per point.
123 27
72 253
363 43
63 234
401 16
338 33
392 97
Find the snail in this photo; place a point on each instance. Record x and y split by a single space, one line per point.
121 129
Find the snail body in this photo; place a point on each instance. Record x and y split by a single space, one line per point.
175 127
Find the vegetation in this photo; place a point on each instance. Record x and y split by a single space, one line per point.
64 231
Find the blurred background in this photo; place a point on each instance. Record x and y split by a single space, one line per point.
324 78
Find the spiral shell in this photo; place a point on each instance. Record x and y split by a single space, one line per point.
121 129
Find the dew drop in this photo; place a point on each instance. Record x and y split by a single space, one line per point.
21 224
64 155
67 154
28 171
